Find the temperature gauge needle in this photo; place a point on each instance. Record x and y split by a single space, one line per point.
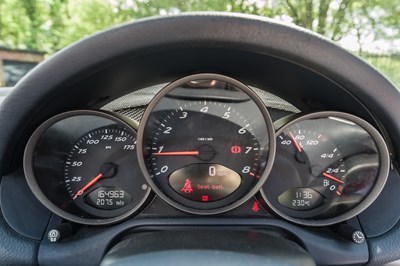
333 178
295 142
177 153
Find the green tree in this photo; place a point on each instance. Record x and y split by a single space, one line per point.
49 25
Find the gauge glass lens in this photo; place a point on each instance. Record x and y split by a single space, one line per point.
324 167
97 170
206 143
84 167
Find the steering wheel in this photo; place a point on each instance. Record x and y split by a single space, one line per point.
290 62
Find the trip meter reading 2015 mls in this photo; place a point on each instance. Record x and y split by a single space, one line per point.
207 143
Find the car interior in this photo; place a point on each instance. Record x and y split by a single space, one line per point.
201 138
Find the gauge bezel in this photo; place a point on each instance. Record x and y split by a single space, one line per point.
266 117
37 191
377 187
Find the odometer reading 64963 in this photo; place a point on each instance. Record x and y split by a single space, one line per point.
206 143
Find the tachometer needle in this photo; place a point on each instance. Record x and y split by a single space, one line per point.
295 142
333 178
177 153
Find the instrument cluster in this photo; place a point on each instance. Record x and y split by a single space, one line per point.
205 145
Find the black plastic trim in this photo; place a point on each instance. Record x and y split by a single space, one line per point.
89 248
22 211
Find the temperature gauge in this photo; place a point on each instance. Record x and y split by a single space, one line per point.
327 168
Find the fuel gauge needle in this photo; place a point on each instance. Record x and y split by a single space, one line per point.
333 178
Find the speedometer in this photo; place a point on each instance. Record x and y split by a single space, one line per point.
97 171
207 143
82 165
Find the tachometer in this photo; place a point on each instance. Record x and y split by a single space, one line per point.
207 143
329 166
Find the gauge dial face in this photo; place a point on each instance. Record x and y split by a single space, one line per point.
97 171
223 148
328 168
83 166
318 161
206 143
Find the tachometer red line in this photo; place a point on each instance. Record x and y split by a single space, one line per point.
177 153
333 178
88 185
295 142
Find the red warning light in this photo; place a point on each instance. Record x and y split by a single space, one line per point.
187 187
204 198
255 207
235 149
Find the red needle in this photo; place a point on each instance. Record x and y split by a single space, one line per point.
295 142
88 185
333 178
177 153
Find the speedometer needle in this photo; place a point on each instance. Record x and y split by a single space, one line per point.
177 153
93 181
88 185
295 142
333 178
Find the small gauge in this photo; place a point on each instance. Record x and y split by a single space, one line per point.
329 166
83 166
206 144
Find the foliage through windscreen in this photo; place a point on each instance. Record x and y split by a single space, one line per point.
367 28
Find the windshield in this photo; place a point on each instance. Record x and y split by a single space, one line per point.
32 30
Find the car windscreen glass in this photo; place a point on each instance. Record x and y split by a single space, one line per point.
366 28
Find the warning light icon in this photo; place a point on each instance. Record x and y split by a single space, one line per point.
187 187
235 149
204 198
255 207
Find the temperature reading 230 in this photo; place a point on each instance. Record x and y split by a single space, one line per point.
300 199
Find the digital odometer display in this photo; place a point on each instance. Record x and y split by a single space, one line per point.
206 143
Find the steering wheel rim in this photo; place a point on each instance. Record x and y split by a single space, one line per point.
243 32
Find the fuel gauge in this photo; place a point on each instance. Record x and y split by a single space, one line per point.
327 168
